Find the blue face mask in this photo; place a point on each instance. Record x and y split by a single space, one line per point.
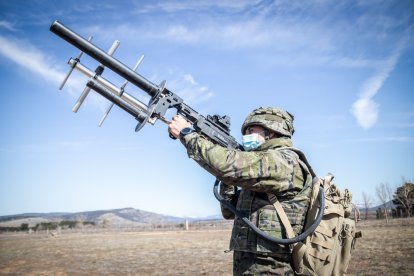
251 141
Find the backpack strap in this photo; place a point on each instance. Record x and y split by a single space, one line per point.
278 206
282 215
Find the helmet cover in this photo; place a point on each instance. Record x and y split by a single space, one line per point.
271 118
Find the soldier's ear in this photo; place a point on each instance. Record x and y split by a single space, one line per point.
268 134
273 134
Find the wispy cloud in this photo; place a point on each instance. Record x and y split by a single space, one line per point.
30 58
365 109
191 90
7 25
185 85
191 6
277 33
282 37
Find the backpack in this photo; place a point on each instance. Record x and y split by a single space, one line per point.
327 251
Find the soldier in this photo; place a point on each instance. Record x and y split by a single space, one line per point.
266 168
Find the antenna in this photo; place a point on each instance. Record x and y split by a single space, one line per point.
143 113
77 59
122 91
98 71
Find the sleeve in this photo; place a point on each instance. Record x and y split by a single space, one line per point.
269 171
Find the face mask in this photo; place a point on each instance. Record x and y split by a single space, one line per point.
251 141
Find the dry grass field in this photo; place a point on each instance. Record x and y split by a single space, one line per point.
383 250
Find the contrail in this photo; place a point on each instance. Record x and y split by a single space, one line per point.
365 109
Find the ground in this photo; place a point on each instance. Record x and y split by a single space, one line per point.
383 250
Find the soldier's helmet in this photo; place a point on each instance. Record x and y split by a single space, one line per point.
272 118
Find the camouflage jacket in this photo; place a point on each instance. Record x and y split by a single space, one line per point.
270 169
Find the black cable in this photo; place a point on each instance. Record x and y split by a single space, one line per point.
262 234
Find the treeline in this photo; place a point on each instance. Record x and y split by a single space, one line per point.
401 196
65 224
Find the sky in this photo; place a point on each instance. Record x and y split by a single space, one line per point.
344 69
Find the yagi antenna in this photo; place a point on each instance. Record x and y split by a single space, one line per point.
77 59
216 128
98 71
122 91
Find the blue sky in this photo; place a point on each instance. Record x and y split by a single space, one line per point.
343 68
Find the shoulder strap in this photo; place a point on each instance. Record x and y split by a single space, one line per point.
282 215
273 199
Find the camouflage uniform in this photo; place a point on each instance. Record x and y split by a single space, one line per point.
270 169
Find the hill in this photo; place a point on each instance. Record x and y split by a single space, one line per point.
125 217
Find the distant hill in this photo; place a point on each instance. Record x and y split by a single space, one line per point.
126 217
390 204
